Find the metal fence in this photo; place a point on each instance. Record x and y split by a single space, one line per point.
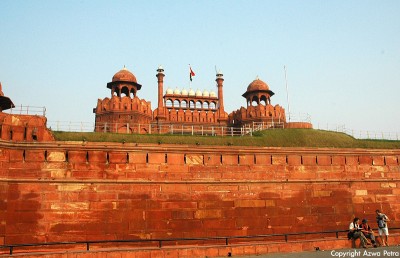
205 130
153 128
27 110
361 134
160 243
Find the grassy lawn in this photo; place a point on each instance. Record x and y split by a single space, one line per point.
267 138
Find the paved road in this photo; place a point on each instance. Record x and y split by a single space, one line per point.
391 251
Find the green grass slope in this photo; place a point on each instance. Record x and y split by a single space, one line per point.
267 138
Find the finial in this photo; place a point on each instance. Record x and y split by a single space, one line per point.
160 69
124 68
257 78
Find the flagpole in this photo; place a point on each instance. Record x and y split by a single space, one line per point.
287 92
190 81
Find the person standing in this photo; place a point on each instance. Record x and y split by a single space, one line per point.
382 220
355 232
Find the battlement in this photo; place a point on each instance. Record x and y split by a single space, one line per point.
71 191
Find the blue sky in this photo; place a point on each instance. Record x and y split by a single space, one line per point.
342 57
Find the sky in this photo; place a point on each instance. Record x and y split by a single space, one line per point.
342 57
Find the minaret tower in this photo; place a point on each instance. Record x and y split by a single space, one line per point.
220 82
160 110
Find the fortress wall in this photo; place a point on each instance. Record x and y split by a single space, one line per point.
91 191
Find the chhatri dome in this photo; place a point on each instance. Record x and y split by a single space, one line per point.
124 75
256 85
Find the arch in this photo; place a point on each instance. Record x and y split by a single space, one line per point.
199 104
206 105
264 100
124 90
168 103
213 105
184 104
192 104
255 101
177 104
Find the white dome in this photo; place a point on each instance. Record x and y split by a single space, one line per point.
206 93
191 92
169 91
184 92
212 94
177 91
199 93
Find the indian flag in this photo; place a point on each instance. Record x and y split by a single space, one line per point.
191 73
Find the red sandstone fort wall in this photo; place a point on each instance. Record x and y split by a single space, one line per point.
60 191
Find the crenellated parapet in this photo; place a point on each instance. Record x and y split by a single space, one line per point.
260 113
124 104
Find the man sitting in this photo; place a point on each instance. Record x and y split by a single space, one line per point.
367 231
355 232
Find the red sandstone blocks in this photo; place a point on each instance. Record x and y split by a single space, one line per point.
147 168
294 160
34 155
352 160
118 157
246 159
55 156
391 160
179 205
194 159
249 203
219 223
263 159
175 158
212 159
78 156
137 157
97 156
16 155
324 160
309 160
157 158
178 169
278 159
208 214
228 159
365 160
173 188
378 160
338 160
216 203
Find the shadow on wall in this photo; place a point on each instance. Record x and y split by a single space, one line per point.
22 219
